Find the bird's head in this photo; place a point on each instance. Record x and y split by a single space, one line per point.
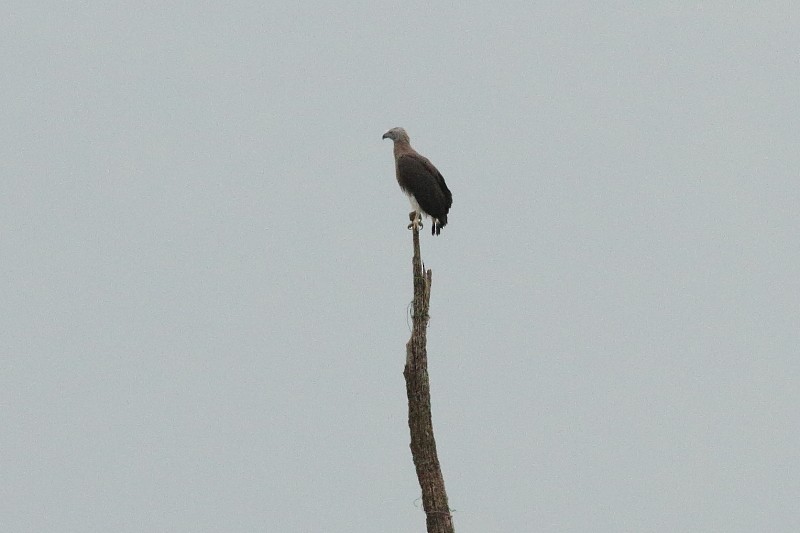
396 134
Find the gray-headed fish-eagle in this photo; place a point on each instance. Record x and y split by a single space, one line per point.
422 183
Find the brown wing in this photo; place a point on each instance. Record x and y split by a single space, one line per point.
418 177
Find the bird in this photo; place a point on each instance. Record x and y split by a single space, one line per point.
422 183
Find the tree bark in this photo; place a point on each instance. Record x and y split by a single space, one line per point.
423 445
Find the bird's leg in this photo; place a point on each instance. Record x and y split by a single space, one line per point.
416 220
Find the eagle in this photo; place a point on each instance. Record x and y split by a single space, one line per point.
422 183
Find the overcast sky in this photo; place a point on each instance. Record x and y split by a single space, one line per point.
206 268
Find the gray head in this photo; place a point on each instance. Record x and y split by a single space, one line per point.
397 134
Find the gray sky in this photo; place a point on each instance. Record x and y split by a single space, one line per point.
206 268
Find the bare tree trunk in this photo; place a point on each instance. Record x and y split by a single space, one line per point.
423 445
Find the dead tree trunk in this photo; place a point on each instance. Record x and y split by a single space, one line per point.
423 445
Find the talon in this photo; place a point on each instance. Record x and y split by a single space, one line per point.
416 220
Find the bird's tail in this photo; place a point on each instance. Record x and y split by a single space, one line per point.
438 224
